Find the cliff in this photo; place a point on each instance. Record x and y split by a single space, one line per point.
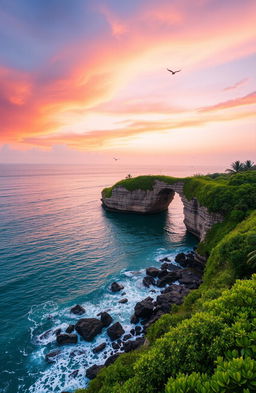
197 218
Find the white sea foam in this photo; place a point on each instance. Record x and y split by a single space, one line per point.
68 371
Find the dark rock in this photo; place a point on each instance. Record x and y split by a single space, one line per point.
153 319
63 339
144 309
133 344
163 273
138 330
88 328
180 258
132 331
99 348
168 279
74 373
165 259
79 310
77 352
115 287
152 271
115 331
111 359
134 319
51 356
57 332
46 334
92 372
115 345
122 301
70 328
106 319
127 337
190 279
148 280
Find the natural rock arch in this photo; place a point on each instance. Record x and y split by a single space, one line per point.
197 219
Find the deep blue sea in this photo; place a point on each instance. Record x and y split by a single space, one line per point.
59 247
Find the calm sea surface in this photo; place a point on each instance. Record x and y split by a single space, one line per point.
58 247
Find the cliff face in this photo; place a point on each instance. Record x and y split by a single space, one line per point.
198 219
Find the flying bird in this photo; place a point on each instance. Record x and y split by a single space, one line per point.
173 72
114 158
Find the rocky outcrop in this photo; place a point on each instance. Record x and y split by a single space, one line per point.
197 218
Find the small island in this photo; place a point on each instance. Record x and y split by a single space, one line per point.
207 343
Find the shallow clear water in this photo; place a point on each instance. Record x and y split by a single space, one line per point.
59 248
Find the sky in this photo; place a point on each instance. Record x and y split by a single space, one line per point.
86 80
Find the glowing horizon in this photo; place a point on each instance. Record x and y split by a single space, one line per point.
90 77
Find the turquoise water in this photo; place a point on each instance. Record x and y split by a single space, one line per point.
59 248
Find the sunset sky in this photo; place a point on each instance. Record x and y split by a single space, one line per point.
85 80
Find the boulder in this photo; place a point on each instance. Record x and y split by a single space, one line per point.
152 271
63 339
99 348
148 280
78 310
122 301
134 319
106 319
144 309
57 332
168 279
70 328
190 279
111 359
133 344
92 371
51 356
180 258
115 287
127 337
138 330
88 328
115 345
115 331
163 273
165 259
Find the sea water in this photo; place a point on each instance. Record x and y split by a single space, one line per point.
59 248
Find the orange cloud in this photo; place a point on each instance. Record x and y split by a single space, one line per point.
236 85
86 77
249 99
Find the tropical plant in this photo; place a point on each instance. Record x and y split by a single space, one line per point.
248 164
236 166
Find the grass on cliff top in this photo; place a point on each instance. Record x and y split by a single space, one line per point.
145 182
222 193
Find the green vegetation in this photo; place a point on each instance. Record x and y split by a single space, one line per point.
138 183
208 344
239 166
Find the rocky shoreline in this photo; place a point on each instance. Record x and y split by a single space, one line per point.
176 278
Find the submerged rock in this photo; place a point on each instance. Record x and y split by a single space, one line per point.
168 278
63 339
115 331
78 310
51 356
88 328
115 287
133 344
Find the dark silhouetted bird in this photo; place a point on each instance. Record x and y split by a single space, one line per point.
173 72
114 158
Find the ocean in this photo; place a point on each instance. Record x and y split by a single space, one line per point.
59 248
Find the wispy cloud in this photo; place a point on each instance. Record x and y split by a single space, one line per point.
249 99
236 85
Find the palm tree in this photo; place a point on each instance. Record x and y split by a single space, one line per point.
248 165
236 166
